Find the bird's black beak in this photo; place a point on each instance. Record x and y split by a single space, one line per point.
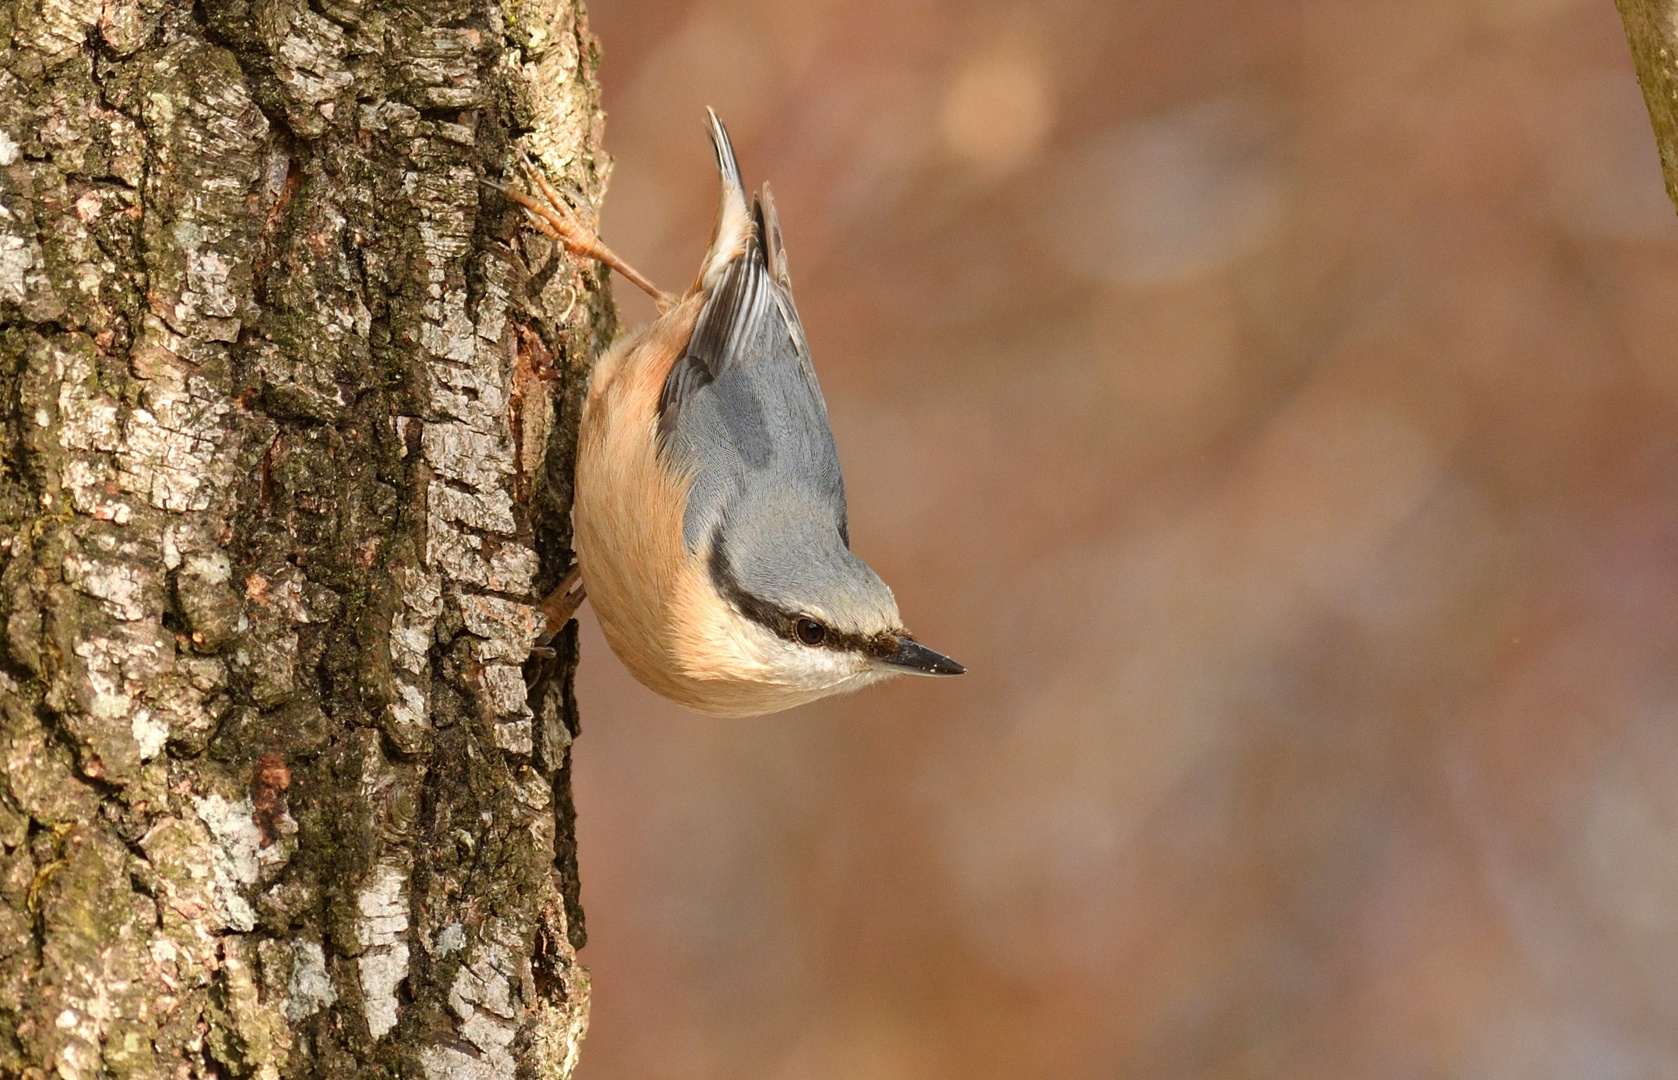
913 657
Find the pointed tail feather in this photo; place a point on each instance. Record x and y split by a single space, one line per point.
734 228
727 164
774 248
774 252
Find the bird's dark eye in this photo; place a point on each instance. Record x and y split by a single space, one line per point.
809 631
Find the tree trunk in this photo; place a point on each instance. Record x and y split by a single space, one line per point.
287 409
1652 31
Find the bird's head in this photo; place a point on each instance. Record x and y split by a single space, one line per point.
805 612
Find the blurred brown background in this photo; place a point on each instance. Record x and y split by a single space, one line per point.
1274 403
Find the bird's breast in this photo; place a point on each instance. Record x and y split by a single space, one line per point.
655 602
628 505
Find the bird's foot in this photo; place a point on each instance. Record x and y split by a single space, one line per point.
558 220
561 604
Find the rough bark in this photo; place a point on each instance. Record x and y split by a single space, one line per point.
1652 32
287 409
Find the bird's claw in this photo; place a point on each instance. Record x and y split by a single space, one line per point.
561 604
556 219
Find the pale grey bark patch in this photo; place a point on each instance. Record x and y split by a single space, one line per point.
382 931
309 988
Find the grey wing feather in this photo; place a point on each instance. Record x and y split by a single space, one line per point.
735 309
742 406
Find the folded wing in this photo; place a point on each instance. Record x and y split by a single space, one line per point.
741 411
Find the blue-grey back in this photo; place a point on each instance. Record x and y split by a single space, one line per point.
743 413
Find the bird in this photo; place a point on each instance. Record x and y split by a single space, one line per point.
710 522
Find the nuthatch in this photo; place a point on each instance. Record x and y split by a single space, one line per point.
710 511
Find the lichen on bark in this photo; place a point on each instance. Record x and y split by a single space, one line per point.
287 407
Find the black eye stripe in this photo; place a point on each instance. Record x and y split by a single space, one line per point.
784 623
752 607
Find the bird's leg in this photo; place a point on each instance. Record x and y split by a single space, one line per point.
555 218
562 603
